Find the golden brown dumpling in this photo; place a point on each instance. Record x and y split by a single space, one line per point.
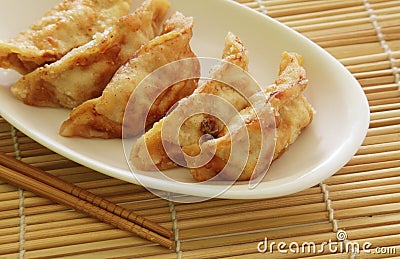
70 24
197 125
292 113
103 117
83 73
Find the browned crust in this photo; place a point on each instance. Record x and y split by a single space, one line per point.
94 124
67 25
292 114
234 52
100 123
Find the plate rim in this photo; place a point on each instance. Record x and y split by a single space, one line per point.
347 149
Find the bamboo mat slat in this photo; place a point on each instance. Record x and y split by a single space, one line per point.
362 198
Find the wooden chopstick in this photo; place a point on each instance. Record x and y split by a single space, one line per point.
44 184
56 182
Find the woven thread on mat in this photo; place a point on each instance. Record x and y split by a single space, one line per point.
21 223
262 7
383 42
329 207
175 229
332 216
21 199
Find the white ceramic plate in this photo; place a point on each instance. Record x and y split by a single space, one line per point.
334 136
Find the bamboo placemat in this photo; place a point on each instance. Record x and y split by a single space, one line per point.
362 198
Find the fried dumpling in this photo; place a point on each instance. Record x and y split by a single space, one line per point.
292 113
102 117
83 73
197 125
70 24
